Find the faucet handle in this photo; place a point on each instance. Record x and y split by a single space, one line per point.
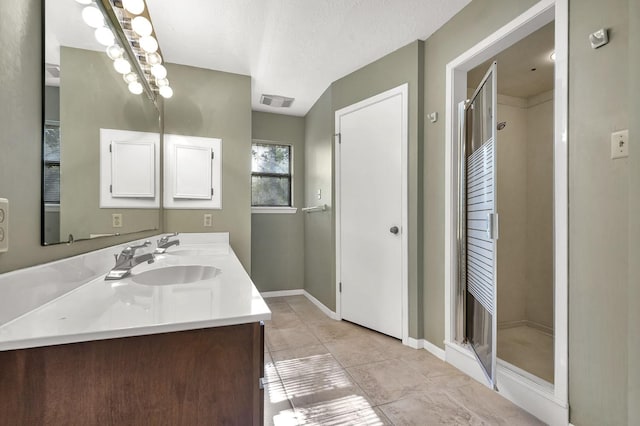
132 249
145 244
165 239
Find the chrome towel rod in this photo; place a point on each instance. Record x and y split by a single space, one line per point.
321 208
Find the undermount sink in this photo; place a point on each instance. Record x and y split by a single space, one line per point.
179 274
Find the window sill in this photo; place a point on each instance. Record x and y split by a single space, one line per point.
274 210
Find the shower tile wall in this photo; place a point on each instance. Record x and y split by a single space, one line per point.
525 197
539 303
512 209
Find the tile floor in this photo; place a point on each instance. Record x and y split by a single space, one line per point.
527 348
324 372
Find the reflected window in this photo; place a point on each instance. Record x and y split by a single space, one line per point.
51 163
270 175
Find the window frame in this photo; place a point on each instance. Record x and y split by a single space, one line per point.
290 176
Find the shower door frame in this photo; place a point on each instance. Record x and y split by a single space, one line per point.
549 403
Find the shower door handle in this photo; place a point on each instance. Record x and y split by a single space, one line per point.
492 226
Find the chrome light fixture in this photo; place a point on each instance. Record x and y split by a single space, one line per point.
125 28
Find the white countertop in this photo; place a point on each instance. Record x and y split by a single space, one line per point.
103 309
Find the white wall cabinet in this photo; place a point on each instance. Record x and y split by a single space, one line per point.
192 172
129 169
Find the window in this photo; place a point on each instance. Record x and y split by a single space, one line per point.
51 166
270 175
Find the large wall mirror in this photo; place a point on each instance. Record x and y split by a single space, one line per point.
82 94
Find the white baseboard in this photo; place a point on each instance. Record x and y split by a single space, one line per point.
433 349
282 293
328 312
414 343
426 345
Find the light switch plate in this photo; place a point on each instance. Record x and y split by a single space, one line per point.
620 144
4 225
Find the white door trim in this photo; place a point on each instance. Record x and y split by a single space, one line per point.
540 14
402 90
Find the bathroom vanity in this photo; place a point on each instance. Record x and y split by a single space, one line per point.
178 341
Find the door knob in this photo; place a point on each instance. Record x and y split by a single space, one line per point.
394 230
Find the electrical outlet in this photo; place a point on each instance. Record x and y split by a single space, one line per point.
208 220
620 144
116 220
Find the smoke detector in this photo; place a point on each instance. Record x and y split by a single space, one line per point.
276 101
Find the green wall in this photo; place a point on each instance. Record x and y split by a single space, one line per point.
277 240
598 216
92 97
21 121
215 104
634 216
319 228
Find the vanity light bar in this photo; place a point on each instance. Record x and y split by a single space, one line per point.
124 28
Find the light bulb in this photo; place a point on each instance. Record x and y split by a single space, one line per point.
93 17
122 66
166 92
141 26
135 7
162 82
84 1
148 44
104 36
130 77
114 52
135 87
158 71
154 58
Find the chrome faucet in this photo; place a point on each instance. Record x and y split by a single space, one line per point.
164 243
127 260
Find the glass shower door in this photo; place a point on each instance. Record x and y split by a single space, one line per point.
480 223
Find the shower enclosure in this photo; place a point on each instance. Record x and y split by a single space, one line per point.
504 304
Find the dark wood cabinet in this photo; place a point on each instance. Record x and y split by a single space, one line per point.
197 377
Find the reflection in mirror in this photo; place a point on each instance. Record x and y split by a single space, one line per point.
83 94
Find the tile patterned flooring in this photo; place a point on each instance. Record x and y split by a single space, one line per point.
319 371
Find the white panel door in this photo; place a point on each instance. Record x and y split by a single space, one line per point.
370 213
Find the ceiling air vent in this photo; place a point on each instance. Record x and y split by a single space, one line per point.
276 101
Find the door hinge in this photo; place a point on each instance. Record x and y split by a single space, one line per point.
212 155
111 189
340 287
110 148
212 192
339 137
261 383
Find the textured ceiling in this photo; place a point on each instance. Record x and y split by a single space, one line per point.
515 64
293 48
